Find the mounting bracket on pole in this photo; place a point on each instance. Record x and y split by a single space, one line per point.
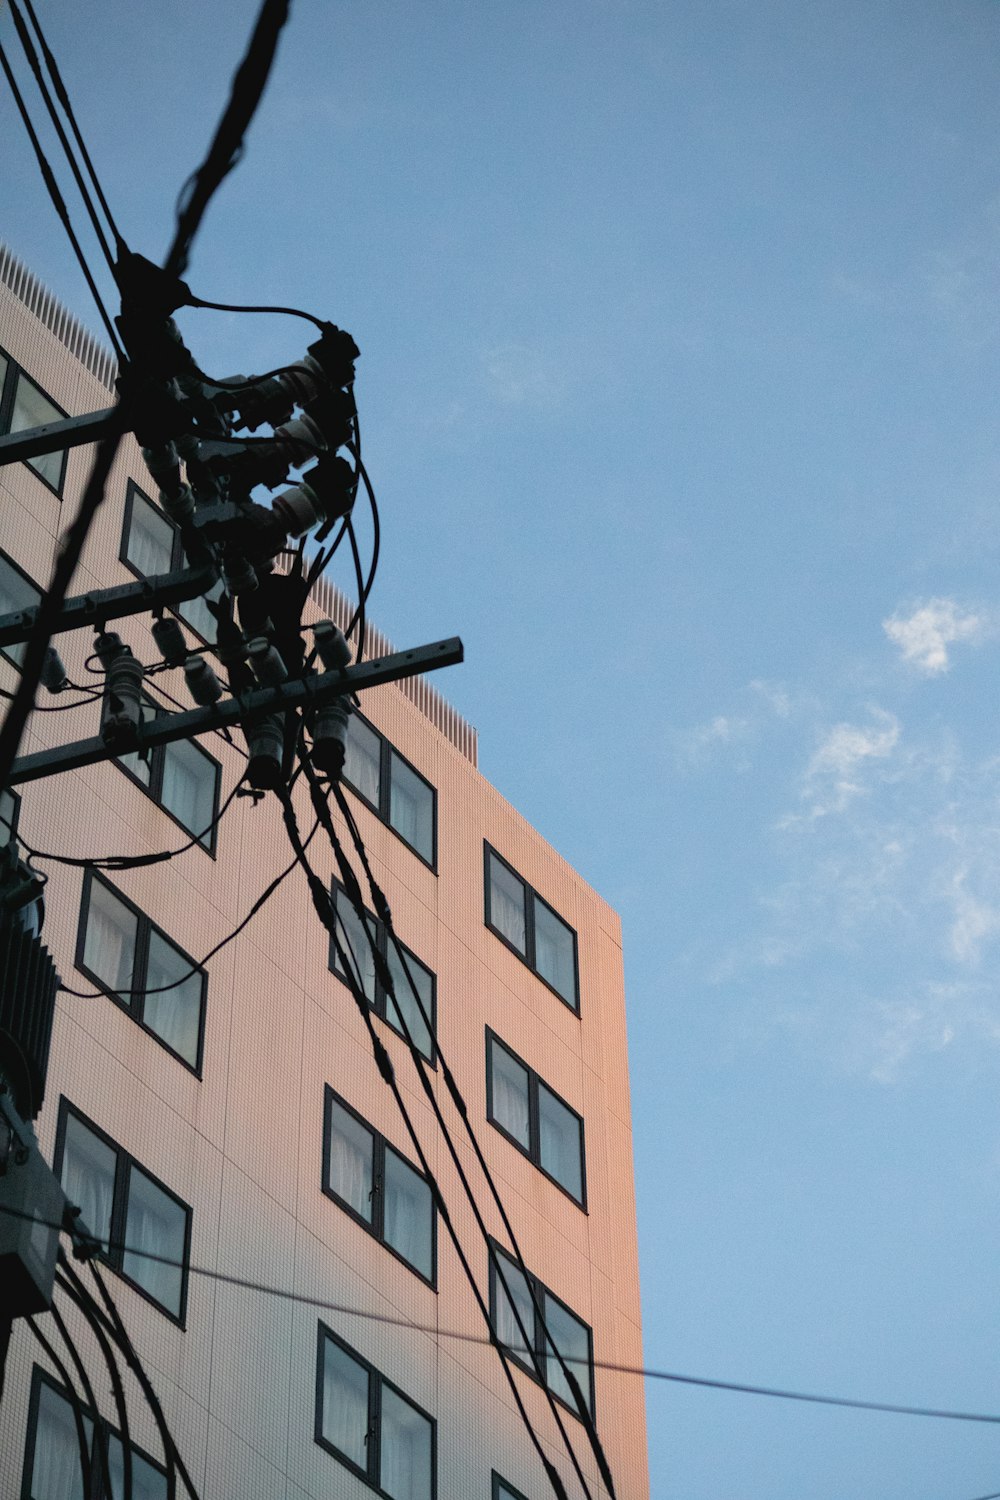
53 437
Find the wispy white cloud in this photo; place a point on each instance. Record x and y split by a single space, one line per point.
925 633
838 769
524 374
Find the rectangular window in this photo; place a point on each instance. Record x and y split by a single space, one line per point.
23 405
144 1229
53 1463
10 811
151 544
378 1187
17 592
182 778
402 1004
527 924
371 1426
557 1336
396 792
534 1118
133 961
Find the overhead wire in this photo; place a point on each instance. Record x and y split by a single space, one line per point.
99 1434
86 1468
291 312
118 1391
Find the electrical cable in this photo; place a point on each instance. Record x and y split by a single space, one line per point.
358 617
227 145
58 202
100 1437
118 1391
324 911
86 1467
537 1357
31 56
64 100
290 312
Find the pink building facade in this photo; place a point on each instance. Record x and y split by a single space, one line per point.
237 1125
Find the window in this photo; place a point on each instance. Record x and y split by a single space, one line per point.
370 1426
528 925
17 592
354 940
10 812
22 405
555 1332
120 949
133 1215
151 544
503 1491
378 1187
391 787
534 1118
53 1463
182 777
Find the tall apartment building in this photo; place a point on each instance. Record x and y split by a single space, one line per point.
236 1124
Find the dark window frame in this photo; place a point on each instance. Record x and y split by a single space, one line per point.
144 927
178 557
16 567
11 822
498 1480
379 1006
531 897
533 1152
542 1295
154 787
40 1377
124 1162
8 388
386 751
373 1439
380 1145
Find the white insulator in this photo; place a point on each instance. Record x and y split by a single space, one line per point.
265 659
203 685
332 645
122 708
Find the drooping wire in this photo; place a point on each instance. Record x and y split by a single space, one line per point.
227 144
357 620
58 203
117 1387
86 1468
290 312
324 910
64 100
100 1437
354 895
31 56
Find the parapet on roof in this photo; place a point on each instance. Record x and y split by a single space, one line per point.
92 354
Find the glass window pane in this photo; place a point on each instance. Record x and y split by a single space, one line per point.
345 1404
356 943
409 1214
411 808
404 1450
189 787
350 1153
405 1002
15 593
509 1094
362 760
560 1142
155 1225
572 1339
507 905
506 1324
175 1015
88 1176
55 1471
150 540
10 804
32 408
109 944
140 768
554 952
198 615
148 1483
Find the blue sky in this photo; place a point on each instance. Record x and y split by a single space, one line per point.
680 333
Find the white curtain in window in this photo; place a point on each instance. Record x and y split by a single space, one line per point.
362 759
554 952
175 1015
350 1153
404 1449
572 1339
55 1473
150 539
411 808
88 1176
154 1226
507 905
559 1144
189 786
507 1330
408 1215
32 408
109 945
405 1003
345 1404
510 1094
354 939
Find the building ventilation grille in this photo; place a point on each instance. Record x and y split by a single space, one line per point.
49 310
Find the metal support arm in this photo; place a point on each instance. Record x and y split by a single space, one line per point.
53 437
110 604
